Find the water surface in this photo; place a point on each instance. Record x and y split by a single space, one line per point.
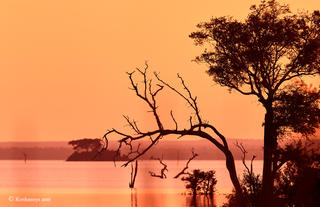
82 184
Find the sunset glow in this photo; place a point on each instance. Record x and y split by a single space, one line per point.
63 65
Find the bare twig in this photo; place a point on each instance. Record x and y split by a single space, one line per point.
132 124
174 120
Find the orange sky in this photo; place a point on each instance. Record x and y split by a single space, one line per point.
63 64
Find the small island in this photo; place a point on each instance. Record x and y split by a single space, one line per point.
92 150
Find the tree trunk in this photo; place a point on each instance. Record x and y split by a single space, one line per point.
234 178
269 147
134 171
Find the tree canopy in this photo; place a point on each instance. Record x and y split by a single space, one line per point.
86 144
256 56
296 109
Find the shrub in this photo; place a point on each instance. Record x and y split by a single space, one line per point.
200 182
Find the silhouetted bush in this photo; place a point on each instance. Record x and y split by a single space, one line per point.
252 187
297 182
201 182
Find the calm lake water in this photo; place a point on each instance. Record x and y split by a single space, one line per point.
84 184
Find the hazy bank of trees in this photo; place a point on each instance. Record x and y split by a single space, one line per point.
61 151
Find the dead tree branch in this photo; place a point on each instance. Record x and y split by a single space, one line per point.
148 92
191 101
244 152
163 171
183 171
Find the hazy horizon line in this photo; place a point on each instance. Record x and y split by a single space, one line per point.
170 140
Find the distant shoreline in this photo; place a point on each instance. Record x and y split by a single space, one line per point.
168 150
247 160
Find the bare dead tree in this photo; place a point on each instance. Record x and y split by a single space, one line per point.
25 157
244 152
147 91
163 171
183 171
134 171
251 181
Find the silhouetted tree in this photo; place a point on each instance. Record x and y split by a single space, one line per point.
133 175
200 182
260 56
251 182
147 91
86 144
93 150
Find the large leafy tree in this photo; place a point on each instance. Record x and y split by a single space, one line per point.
262 56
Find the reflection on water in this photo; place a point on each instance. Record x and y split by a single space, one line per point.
176 199
100 184
79 198
134 198
200 201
